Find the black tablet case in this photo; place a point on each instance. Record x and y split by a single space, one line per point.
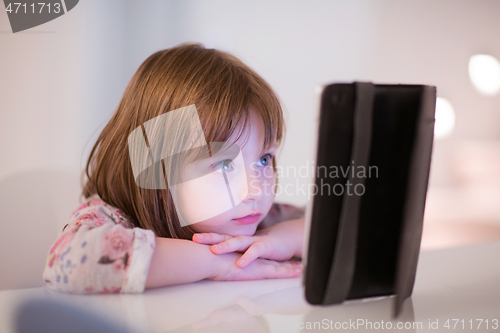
368 245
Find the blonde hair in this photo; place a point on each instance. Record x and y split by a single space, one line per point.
223 90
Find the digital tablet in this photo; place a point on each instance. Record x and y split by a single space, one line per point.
364 221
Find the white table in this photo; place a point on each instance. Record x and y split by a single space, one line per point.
456 283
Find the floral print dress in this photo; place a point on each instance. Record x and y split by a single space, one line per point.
99 251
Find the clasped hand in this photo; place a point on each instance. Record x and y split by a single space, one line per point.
279 242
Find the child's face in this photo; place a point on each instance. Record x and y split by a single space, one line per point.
255 197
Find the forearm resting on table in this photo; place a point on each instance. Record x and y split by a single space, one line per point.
177 261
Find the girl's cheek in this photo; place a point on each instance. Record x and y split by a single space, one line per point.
269 182
269 175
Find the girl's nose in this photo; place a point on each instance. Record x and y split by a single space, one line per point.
255 188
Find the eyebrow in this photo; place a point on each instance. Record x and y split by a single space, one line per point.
230 152
225 155
271 148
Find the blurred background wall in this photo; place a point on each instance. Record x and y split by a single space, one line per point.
61 81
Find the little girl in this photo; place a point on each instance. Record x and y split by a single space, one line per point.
126 237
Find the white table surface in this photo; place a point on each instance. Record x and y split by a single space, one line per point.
456 283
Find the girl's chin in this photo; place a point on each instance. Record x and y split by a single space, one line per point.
243 230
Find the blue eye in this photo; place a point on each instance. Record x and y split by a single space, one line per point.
265 160
224 166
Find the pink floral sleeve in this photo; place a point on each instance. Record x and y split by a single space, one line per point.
99 251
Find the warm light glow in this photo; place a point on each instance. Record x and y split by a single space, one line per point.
445 118
484 72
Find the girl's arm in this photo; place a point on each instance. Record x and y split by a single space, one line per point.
176 261
99 252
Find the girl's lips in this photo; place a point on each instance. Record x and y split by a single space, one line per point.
249 219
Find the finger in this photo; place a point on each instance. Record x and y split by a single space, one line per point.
209 238
289 264
283 271
240 243
255 250
269 269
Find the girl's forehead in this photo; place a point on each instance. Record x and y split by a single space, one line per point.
250 136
